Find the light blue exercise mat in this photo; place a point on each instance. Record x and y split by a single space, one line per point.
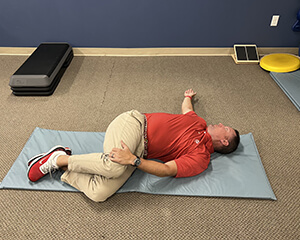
290 85
239 174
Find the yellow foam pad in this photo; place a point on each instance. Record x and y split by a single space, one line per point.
280 62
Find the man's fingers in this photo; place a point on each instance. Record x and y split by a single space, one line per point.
114 150
124 146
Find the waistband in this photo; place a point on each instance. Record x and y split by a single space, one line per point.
141 117
145 138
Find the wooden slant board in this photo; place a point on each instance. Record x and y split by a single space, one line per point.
245 54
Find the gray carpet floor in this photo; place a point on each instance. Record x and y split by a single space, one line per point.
94 90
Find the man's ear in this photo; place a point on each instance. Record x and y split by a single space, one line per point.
225 142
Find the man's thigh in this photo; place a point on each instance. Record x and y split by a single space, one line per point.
125 127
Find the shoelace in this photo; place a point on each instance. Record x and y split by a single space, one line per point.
48 167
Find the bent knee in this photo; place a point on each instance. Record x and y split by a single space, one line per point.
100 194
98 198
101 188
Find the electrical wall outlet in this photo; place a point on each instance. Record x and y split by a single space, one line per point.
274 21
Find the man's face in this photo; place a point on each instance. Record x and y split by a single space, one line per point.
220 132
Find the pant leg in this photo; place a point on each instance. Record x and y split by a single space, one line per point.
96 187
95 163
127 127
94 173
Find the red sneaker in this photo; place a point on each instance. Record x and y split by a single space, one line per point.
34 157
66 149
41 166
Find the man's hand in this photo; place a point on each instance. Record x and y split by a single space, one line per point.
122 156
187 105
189 93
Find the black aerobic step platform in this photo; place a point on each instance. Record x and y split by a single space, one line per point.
40 74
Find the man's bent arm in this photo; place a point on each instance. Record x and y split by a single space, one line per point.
157 168
187 105
125 157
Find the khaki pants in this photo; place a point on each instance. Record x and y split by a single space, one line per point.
94 174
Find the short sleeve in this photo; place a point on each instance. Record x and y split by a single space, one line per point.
192 164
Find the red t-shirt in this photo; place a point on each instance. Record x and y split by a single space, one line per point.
180 137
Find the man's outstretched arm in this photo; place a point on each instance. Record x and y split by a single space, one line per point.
187 105
125 157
